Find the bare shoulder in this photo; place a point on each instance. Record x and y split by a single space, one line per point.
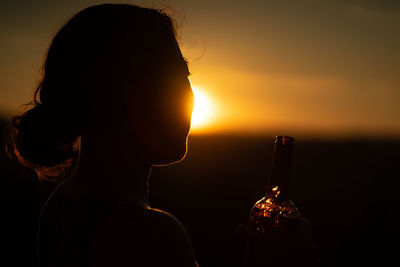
142 237
165 221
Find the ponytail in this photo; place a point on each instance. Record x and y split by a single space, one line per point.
41 140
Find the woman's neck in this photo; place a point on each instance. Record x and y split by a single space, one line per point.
110 168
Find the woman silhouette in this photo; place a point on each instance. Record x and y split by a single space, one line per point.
115 81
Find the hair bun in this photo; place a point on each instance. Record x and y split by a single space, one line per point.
40 135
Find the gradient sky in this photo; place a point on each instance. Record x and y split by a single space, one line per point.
289 67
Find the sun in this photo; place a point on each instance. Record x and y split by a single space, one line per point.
202 109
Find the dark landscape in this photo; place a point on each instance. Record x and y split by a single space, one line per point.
348 189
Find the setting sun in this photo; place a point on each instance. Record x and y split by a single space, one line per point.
202 109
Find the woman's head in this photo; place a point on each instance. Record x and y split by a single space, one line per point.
115 70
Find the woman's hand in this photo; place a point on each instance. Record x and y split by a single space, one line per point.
280 247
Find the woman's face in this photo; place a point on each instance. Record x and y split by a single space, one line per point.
162 123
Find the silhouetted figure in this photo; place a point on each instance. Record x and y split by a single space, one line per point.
116 84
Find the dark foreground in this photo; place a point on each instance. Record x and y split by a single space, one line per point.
348 189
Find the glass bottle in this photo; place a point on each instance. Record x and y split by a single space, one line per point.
276 209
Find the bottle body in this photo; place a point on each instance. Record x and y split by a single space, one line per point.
276 209
271 212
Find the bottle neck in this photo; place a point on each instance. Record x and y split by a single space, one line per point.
281 171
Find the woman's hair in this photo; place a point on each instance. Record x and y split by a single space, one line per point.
89 65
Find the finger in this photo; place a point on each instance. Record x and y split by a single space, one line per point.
305 223
241 230
248 233
245 232
305 228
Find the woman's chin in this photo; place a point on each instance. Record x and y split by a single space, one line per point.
171 156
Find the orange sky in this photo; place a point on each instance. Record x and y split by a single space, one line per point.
291 67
